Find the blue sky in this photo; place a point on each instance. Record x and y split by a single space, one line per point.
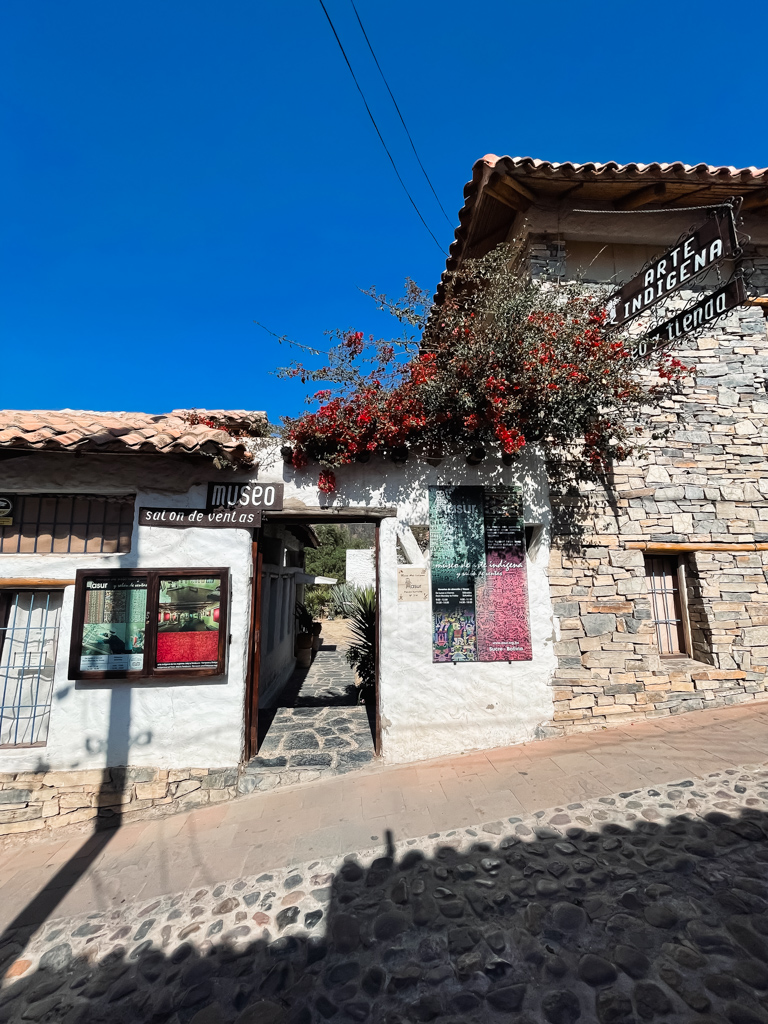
173 170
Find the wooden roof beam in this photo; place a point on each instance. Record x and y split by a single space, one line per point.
754 199
518 186
642 196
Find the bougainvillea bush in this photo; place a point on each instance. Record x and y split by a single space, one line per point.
500 364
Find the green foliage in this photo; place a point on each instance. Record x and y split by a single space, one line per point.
316 600
341 601
303 618
361 654
330 559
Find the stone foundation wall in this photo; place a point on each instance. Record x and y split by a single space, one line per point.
46 801
706 482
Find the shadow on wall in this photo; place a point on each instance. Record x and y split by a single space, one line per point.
665 923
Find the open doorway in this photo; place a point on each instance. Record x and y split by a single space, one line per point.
307 714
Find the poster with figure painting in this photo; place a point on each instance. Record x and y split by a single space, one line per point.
114 624
503 627
479 580
188 623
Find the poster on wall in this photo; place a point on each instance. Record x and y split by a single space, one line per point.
188 623
479 580
114 624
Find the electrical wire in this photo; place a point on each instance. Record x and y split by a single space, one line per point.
381 138
399 114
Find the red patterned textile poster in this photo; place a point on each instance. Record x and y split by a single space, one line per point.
501 596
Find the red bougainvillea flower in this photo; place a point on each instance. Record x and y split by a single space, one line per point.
326 481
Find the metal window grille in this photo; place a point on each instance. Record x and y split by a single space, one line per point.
665 602
68 524
29 628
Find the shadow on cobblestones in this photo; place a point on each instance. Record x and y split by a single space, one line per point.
664 923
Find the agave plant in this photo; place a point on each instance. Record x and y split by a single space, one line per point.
361 653
342 600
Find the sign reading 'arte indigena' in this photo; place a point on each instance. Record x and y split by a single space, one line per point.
693 255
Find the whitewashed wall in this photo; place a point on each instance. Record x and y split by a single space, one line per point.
361 567
426 709
165 724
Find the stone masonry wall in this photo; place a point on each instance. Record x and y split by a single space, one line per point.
706 482
47 801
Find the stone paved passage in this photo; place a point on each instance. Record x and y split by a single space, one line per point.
637 894
319 729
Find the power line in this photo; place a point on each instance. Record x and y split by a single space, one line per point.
381 138
399 114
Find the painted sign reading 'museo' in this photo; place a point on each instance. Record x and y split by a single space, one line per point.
713 241
221 519
250 494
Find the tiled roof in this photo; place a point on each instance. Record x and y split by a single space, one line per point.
181 432
501 186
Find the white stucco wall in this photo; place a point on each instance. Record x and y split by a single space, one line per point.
427 709
165 724
361 568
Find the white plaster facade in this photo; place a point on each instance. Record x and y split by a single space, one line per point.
361 567
427 709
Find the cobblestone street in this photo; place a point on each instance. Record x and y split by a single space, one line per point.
608 904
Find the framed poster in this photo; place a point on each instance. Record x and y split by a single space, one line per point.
479 579
188 617
142 623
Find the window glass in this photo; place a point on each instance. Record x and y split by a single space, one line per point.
29 626
114 624
188 622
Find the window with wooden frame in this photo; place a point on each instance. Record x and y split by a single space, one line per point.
29 629
149 623
669 605
66 524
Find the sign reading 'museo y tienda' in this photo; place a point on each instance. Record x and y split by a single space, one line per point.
218 519
693 255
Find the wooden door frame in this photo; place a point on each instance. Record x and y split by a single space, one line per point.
253 666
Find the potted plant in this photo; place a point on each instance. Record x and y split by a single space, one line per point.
303 647
317 640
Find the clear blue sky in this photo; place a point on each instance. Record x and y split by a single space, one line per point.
173 170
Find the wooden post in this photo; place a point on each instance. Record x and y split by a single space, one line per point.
254 655
682 586
377 560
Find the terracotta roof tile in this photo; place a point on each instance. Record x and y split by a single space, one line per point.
177 432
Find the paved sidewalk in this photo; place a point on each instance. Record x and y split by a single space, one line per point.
326 819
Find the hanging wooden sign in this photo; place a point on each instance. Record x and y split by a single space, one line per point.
694 254
709 309
218 519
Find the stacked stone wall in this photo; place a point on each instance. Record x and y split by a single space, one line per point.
48 801
705 483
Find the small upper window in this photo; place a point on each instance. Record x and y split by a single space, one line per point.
73 524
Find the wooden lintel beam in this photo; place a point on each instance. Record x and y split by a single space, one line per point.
518 186
642 196
26 582
754 199
652 547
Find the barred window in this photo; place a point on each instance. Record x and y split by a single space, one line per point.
74 524
29 627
